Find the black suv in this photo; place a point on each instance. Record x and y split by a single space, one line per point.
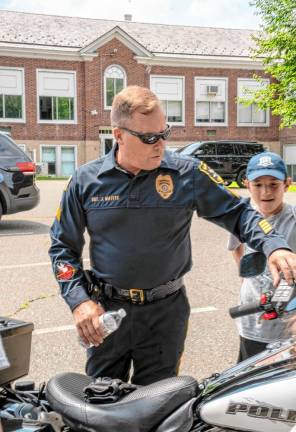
228 158
18 191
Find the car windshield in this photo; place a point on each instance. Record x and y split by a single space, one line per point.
190 148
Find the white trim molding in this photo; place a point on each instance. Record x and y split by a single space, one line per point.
217 62
122 36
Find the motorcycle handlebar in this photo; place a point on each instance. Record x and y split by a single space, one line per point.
242 310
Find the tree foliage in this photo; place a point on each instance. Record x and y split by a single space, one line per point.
276 44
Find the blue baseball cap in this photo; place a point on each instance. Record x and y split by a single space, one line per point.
266 164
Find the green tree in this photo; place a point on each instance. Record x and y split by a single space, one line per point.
276 44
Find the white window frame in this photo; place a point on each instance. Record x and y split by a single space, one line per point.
70 72
211 80
267 123
23 119
107 107
182 79
58 148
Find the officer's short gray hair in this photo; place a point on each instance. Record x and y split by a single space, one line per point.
132 99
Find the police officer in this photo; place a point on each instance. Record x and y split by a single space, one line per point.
137 204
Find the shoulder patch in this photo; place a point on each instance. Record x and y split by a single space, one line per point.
203 167
265 226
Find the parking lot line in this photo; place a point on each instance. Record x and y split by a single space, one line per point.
204 309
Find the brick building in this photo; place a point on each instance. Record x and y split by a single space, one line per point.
58 76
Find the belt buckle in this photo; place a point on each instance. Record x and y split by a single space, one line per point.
137 295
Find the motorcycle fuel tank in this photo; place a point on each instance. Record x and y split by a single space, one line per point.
259 397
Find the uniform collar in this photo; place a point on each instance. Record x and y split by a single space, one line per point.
109 162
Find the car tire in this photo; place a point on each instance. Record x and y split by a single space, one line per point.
240 178
1 210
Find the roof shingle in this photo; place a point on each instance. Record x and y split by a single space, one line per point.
72 32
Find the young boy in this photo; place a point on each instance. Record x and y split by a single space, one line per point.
267 181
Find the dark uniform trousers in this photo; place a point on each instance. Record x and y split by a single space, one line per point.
151 338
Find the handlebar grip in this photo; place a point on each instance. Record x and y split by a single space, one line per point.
246 309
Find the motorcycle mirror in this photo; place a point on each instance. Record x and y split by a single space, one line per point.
252 264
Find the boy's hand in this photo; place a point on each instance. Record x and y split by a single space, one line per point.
282 261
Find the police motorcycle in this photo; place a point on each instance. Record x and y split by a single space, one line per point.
257 395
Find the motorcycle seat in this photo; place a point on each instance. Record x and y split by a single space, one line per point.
140 411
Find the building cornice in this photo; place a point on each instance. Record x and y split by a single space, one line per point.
142 55
213 62
48 53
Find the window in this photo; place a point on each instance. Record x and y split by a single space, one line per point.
60 160
56 96
210 101
249 149
49 157
114 82
11 94
224 149
207 149
170 91
250 115
290 160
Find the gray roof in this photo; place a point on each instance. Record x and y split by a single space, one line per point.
71 32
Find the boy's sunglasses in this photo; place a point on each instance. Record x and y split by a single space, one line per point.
150 138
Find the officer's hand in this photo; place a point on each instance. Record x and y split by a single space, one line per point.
86 318
282 260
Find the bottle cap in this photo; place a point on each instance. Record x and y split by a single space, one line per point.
122 313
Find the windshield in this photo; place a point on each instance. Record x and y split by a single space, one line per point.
190 148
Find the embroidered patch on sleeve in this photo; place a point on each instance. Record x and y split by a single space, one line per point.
64 271
265 226
203 167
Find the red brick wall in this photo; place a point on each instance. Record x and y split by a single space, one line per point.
288 135
89 80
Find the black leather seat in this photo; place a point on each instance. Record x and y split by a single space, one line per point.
140 411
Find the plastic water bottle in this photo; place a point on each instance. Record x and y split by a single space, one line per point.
109 322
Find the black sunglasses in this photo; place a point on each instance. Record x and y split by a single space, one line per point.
150 138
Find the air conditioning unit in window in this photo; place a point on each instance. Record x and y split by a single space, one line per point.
212 90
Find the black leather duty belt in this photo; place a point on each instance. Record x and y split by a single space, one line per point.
141 296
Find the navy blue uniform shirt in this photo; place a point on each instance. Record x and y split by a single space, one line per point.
139 226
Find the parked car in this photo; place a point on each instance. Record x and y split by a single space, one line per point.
18 191
228 158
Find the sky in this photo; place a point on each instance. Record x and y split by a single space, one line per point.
207 13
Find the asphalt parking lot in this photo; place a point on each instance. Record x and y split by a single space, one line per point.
29 292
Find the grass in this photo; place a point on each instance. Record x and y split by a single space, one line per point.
42 177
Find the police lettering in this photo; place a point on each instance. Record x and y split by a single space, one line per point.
105 198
